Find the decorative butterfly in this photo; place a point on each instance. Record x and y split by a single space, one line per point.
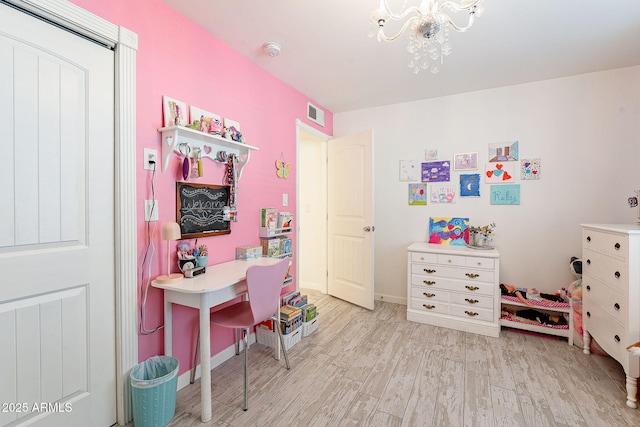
283 169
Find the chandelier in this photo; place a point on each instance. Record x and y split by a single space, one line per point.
428 27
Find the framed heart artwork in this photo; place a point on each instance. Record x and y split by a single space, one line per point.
500 172
530 169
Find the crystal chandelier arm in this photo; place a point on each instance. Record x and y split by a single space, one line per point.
472 7
383 36
384 6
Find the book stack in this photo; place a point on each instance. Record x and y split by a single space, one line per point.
294 299
290 318
271 247
269 218
285 220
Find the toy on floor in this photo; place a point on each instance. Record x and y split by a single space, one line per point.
534 317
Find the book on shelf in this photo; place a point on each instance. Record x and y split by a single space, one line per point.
309 312
290 325
271 247
285 220
269 218
286 246
288 297
288 312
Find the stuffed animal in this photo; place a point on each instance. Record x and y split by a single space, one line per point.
575 265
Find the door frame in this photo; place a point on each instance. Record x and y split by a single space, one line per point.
303 127
125 44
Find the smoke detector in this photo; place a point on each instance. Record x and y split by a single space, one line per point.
272 49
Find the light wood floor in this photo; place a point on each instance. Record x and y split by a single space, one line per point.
374 368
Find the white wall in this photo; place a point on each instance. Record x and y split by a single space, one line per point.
584 128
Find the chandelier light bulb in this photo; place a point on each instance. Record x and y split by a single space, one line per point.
428 26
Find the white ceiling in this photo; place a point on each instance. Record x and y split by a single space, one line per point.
328 56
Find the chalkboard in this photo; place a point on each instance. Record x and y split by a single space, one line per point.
200 209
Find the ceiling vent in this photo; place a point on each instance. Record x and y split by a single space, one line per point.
315 114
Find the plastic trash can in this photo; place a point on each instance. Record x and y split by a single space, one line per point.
154 383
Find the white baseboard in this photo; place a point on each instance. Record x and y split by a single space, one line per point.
391 298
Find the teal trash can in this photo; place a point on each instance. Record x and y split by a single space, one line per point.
154 383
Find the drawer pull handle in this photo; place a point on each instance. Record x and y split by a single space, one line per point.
617 246
428 270
617 338
588 238
588 288
470 313
588 314
471 301
449 261
472 275
429 307
472 288
616 306
617 274
589 261
429 282
428 295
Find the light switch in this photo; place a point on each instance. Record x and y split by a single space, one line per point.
285 199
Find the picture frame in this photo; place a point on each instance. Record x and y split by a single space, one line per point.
410 170
500 172
465 161
200 209
232 130
436 171
174 111
504 151
209 122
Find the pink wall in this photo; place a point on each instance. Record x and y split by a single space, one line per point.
179 59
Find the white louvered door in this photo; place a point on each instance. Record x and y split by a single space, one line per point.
57 280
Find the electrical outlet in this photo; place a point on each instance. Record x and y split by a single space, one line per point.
150 210
150 159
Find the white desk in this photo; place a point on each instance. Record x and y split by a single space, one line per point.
221 283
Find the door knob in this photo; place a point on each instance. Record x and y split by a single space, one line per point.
368 229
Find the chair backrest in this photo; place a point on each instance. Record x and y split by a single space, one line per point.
264 284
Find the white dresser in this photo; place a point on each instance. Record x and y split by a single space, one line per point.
454 287
611 294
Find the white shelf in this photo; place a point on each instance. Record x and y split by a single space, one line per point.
274 232
566 332
209 145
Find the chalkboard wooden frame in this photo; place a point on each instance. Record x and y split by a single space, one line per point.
200 209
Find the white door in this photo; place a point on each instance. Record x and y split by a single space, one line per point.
350 219
57 285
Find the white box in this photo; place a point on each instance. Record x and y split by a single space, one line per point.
269 338
310 327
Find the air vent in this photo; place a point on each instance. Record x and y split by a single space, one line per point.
315 114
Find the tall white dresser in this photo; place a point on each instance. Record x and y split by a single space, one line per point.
454 287
611 294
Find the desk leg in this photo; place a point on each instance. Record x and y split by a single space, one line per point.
205 360
168 327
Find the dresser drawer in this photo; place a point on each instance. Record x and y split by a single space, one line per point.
478 262
613 271
428 294
456 260
472 301
608 333
600 297
453 272
472 313
424 257
430 306
616 245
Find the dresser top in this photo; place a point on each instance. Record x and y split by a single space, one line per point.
617 228
453 250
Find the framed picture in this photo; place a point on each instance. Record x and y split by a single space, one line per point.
470 185
409 170
200 209
442 193
232 130
175 112
417 194
207 122
465 161
530 169
505 194
436 171
449 231
500 172
503 151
